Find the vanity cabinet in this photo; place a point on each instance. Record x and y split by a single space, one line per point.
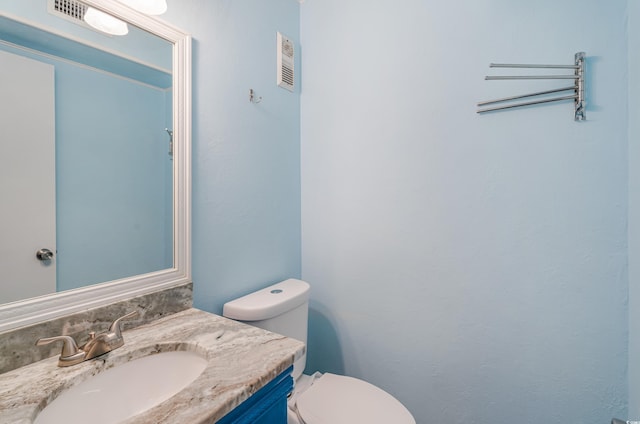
267 406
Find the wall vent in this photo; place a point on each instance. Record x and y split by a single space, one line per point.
70 10
285 59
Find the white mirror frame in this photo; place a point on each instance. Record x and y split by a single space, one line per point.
30 311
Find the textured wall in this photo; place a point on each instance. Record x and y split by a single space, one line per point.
246 157
473 266
634 210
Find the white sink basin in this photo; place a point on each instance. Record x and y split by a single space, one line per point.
125 390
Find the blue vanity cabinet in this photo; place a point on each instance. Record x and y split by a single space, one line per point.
267 406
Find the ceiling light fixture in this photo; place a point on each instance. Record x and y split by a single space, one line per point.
105 22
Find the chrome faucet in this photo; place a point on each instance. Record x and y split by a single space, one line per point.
98 344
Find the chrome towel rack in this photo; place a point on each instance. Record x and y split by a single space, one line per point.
578 88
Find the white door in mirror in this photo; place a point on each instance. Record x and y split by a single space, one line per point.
27 177
128 389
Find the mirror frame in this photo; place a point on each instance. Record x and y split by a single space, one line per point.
43 308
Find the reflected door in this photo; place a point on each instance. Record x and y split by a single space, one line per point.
27 178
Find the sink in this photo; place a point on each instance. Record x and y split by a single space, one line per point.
125 390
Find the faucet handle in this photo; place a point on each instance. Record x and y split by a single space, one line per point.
70 353
115 326
69 348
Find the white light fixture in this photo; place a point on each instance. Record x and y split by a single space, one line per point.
105 22
150 7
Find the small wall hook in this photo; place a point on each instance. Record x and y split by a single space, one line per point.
252 97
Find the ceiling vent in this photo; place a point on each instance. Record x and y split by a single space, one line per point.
285 60
70 10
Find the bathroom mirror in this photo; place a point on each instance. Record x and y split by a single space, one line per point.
173 266
86 119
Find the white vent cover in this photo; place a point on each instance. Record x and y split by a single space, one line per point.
70 10
285 60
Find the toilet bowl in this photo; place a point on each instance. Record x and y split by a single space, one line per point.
319 398
339 399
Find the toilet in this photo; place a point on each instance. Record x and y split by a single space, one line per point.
283 308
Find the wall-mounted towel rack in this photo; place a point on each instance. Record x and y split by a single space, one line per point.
578 88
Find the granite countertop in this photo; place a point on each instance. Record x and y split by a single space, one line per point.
242 359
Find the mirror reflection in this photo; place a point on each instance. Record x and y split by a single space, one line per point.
86 124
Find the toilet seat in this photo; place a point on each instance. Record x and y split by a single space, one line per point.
337 399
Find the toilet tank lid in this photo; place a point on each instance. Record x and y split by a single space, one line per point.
268 302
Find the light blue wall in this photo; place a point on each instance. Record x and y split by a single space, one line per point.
634 209
246 157
111 183
473 266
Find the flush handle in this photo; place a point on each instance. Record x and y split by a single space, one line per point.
44 254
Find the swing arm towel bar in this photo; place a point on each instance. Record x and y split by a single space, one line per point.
539 93
529 77
578 88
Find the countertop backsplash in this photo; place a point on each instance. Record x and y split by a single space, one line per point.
17 347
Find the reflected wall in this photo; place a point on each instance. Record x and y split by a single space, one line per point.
114 184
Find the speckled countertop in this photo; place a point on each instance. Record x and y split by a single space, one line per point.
242 359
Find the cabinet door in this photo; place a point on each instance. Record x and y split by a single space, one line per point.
267 406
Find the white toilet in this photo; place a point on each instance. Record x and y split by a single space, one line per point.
320 398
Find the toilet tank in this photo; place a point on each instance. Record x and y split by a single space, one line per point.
282 308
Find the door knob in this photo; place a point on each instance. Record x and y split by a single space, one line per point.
44 254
